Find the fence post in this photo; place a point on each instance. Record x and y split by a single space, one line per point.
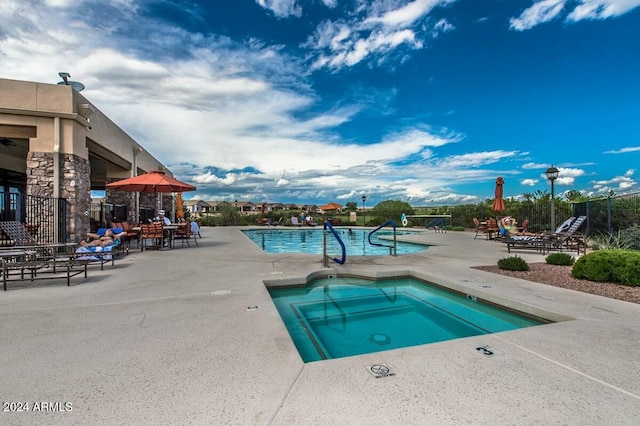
609 215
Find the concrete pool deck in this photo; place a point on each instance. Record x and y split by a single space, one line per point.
167 338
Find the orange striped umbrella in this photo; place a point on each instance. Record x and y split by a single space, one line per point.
179 209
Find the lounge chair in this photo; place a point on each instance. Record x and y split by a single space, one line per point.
18 233
294 221
558 240
568 239
270 222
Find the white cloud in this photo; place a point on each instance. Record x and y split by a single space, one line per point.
624 150
602 9
282 8
532 166
541 11
617 183
402 16
529 182
476 159
567 176
373 31
546 10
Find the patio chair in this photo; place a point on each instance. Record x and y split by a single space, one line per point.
480 228
131 234
184 233
492 228
523 227
151 231
294 221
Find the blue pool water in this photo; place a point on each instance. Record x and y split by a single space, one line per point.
311 241
339 317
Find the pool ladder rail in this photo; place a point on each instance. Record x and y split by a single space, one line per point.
325 257
393 249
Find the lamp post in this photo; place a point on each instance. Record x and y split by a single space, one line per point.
552 174
364 214
235 216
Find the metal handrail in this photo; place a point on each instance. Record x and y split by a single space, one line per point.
325 258
392 249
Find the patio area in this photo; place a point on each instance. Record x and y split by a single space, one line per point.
166 337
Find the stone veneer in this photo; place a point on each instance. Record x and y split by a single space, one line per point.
75 187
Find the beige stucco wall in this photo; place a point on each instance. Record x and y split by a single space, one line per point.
46 119
37 104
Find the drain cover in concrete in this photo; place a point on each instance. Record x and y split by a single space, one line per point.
253 308
380 371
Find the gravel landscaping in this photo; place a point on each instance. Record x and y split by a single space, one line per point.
560 276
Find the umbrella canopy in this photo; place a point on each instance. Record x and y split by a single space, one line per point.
153 181
179 209
498 203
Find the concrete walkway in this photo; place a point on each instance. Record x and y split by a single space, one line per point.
166 338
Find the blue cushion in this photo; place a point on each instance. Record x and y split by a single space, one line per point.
102 231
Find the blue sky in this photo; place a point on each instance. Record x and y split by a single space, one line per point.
312 101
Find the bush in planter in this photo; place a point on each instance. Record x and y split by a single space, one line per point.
618 266
513 263
560 259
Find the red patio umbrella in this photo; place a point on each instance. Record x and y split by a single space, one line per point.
498 203
153 181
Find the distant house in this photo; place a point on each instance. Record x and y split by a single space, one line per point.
276 207
197 206
312 208
331 208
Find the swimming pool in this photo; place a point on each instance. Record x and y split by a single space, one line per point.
311 241
339 317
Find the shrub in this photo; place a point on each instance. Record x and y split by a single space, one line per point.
620 240
560 259
618 266
513 263
457 228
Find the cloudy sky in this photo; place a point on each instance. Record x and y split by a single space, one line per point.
426 101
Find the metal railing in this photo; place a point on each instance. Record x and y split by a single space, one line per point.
325 256
393 250
44 217
611 215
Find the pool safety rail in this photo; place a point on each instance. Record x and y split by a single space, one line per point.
325 257
393 250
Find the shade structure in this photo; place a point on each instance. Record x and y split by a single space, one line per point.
179 203
498 202
153 181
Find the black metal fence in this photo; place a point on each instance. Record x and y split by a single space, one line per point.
537 214
44 217
611 215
